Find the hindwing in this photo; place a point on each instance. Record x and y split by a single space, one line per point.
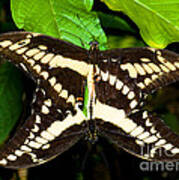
143 135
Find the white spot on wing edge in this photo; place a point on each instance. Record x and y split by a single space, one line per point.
38 56
145 115
32 52
119 84
21 50
139 69
148 123
31 135
112 79
48 102
175 150
52 80
64 94
143 135
3 162
41 140
71 99
47 58
151 139
45 74
19 44
131 95
164 68
18 152
147 68
42 47
133 104
131 69
46 146
137 131
58 87
141 85
154 67
38 119
105 75
125 89
145 60
37 68
11 157
31 62
34 144
45 109
5 43
25 148
35 128
176 64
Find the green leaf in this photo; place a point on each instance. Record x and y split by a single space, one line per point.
115 22
10 98
158 20
172 121
69 20
125 41
88 4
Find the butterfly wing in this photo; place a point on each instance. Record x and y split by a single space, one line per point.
148 138
120 97
56 122
31 51
150 68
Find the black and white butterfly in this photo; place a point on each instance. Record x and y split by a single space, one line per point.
117 81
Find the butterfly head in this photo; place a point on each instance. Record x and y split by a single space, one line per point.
93 45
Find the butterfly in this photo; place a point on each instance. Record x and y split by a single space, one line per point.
86 94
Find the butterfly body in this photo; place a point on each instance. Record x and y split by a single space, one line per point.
93 93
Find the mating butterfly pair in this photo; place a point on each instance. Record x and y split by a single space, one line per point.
93 93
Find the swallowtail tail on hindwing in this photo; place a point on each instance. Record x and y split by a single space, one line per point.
118 82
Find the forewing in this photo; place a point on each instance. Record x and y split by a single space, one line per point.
114 87
150 69
36 53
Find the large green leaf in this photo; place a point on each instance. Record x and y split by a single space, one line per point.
10 98
65 19
158 20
